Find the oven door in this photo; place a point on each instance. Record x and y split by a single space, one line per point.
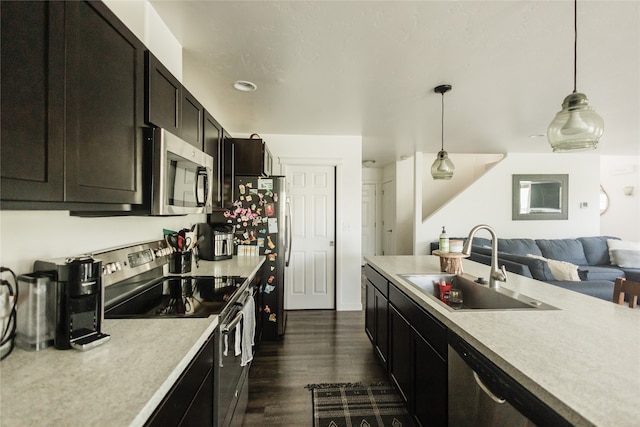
231 379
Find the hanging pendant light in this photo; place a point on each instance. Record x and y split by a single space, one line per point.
577 126
443 167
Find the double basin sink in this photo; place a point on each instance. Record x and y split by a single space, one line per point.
475 296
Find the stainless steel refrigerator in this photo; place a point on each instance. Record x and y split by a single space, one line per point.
262 227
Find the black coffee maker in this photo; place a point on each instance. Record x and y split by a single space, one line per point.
79 308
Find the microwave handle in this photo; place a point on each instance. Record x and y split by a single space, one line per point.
202 174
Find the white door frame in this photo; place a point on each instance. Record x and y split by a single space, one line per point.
378 208
337 163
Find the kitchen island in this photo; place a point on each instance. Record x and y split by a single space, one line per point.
117 384
582 360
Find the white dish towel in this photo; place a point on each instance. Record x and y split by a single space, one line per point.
245 334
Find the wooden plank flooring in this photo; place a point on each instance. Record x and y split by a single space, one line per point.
320 346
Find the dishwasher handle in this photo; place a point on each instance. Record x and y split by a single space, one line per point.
486 389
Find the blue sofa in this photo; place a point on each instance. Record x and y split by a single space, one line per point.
589 254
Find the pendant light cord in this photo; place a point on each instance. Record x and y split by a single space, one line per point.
575 45
442 124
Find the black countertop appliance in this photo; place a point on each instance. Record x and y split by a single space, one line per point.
78 284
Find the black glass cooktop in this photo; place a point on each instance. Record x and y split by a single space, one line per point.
173 296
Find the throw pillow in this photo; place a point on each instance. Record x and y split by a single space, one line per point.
627 258
560 270
616 245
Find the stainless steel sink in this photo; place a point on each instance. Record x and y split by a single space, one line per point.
475 296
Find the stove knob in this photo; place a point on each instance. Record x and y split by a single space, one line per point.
118 266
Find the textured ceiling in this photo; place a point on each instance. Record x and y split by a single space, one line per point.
369 68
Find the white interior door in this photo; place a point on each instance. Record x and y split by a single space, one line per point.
388 218
310 278
368 220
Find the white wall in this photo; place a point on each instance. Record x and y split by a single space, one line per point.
31 235
622 219
488 201
405 208
468 168
347 151
143 20
374 176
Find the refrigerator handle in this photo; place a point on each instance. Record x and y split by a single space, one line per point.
288 231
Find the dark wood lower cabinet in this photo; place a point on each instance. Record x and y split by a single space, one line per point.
190 401
376 321
418 371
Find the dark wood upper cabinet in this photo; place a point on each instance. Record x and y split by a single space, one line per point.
252 157
104 107
228 170
72 107
170 105
212 140
192 119
32 89
163 99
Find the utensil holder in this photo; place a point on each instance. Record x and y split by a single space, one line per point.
180 262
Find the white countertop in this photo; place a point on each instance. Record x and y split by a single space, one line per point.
583 360
119 383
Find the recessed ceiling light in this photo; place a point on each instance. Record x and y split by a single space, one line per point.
245 86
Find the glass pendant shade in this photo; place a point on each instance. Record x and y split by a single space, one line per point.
576 127
443 167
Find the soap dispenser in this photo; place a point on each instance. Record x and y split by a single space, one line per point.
443 246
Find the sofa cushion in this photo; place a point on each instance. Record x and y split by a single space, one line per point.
602 289
539 269
511 266
569 250
598 272
632 274
596 249
518 246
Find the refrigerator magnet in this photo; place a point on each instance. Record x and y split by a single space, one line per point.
267 309
270 209
272 317
272 223
265 184
241 188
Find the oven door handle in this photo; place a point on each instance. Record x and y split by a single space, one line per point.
231 325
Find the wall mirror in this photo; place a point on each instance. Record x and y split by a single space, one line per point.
540 197
604 201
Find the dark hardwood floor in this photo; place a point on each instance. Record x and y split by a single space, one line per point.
320 346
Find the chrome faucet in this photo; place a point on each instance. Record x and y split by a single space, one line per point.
497 274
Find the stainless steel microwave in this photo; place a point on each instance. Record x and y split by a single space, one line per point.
182 176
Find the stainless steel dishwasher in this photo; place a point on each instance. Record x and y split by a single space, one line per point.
482 394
